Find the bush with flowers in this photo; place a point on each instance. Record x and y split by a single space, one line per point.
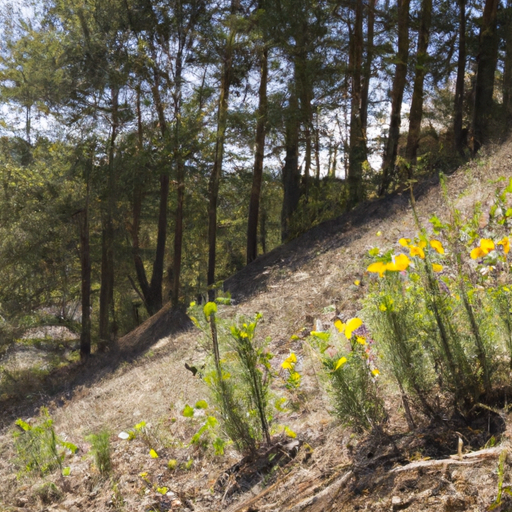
349 363
440 310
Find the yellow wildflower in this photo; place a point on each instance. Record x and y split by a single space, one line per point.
437 245
402 261
417 251
505 243
404 242
378 268
339 325
437 268
289 362
340 363
352 325
485 247
375 372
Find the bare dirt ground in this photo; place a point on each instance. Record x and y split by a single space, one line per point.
295 287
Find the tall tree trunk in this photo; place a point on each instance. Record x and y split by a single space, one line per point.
107 327
180 181
152 290
213 189
458 138
303 85
254 205
85 262
291 171
486 67
367 69
317 146
263 230
416 113
507 77
397 93
136 214
357 148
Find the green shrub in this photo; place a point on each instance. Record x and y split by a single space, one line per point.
349 366
100 449
239 379
38 449
441 314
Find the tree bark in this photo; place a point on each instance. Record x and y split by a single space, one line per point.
357 145
180 180
507 76
152 290
85 262
458 139
291 171
107 327
254 205
397 93
416 113
213 189
486 67
367 69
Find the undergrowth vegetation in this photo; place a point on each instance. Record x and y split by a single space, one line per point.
435 327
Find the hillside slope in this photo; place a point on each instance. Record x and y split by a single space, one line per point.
296 287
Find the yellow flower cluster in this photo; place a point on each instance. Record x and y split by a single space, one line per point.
401 262
486 245
349 327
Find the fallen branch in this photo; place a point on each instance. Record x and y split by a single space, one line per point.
329 492
474 458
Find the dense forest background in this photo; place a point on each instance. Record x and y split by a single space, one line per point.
151 148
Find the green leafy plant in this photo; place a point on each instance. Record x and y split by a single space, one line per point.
38 448
207 434
501 478
100 450
239 379
351 374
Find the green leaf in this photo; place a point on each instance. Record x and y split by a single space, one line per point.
324 336
219 445
162 490
66 471
211 421
290 433
209 309
25 426
195 322
69 446
188 411
201 404
140 425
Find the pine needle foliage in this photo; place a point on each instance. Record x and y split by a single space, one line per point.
38 448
